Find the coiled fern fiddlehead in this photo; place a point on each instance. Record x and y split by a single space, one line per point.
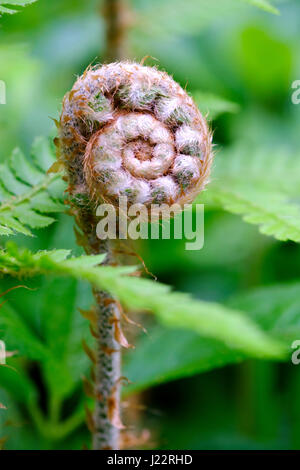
126 130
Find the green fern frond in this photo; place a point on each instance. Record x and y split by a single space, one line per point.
262 186
275 308
27 192
269 169
264 5
9 6
175 310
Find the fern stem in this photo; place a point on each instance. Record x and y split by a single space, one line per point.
117 19
106 421
108 372
108 355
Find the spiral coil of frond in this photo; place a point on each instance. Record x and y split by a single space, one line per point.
130 130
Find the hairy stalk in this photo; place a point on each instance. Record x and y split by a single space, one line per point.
108 357
117 20
126 131
106 422
108 367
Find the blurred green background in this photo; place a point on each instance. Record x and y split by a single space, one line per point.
239 62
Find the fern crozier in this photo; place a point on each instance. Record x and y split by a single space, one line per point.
130 130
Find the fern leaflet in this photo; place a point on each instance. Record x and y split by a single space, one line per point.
175 310
262 186
27 192
11 6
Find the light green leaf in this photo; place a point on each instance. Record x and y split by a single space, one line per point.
175 310
42 258
24 170
10 182
84 261
276 309
215 321
42 153
4 230
4 194
11 4
264 5
274 214
43 202
27 193
262 186
13 224
32 218
21 3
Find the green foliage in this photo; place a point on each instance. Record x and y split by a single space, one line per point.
242 185
239 63
177 16
264 5
275 309
173 309
26 192
213 105
191 355
21 73
9 6
256 46
58 376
